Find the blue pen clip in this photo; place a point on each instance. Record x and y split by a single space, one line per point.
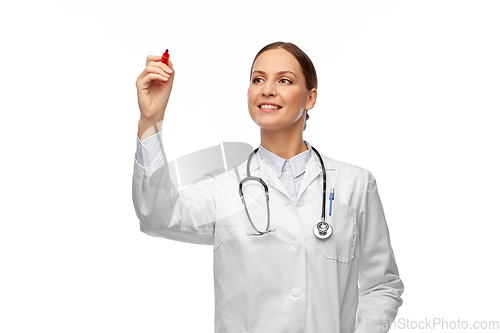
332 191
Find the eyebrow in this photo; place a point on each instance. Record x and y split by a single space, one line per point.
280 73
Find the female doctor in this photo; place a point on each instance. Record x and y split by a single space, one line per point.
287 257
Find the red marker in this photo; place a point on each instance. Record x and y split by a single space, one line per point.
164 57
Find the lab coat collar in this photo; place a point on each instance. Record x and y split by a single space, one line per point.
313 170
259 167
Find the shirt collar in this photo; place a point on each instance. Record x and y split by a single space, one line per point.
277 163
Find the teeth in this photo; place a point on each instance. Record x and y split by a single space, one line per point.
270 107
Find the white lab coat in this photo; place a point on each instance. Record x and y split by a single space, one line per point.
288 280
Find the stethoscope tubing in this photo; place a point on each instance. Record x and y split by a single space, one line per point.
266 190
324 183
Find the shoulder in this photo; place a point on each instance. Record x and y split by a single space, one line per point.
235 157
344 167
347 171
230 175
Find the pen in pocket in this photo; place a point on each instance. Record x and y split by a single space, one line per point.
332 194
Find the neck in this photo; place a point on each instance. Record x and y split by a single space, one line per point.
284 143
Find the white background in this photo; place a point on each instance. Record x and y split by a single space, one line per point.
407 89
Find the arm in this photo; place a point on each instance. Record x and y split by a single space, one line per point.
380 285
163 211
187 215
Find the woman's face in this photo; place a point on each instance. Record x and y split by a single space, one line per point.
277 96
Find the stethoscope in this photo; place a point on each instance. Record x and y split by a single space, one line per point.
322 229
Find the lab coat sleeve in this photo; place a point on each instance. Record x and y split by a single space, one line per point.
380 287
186 215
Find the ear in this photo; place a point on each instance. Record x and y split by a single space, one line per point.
311 99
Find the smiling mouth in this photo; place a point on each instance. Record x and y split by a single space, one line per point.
270 107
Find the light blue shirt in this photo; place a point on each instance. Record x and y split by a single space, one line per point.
149 151
290 172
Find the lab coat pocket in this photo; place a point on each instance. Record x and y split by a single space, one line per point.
340 245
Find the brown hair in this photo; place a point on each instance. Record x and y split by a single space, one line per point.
305 63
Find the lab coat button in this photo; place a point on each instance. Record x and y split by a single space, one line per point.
297 244
300 203
296 292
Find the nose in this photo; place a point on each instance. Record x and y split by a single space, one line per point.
268 89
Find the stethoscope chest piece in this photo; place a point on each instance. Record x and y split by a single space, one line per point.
323 230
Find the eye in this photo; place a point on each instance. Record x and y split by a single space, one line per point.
283 79
256 80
